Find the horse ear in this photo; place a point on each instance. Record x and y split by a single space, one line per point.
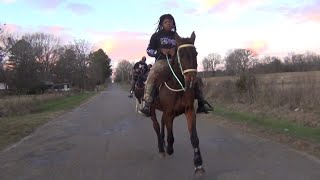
177 38
193 37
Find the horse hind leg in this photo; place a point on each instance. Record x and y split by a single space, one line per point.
168 119
162 132
156 127
137 105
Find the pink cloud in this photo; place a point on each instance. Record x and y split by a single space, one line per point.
307 13
11 28
257 46
118 33
124 45
79 8
56 30
46 4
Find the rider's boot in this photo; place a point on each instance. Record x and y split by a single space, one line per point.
149 96
203 105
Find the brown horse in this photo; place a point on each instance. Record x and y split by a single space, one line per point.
139 89
176 97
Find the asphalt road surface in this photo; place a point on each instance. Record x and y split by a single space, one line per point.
104 139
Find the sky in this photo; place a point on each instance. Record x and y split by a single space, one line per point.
122 28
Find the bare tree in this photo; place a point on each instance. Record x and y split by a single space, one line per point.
238 61
6 42
123 71
211 61
45 50
82 49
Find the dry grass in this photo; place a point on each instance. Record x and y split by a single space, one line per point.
13 128
26 104
294 96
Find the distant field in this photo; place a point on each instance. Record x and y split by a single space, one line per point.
294 95
279 78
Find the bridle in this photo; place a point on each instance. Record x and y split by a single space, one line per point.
182 71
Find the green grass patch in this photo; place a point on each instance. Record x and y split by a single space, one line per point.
64 103
14 128
278 125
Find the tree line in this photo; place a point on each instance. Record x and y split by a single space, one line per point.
240 61
30 61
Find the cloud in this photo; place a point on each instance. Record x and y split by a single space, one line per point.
296 10
46 4
124 45
170 4
63 33
309 12
55 29
257 46
12 28
79 8
219 6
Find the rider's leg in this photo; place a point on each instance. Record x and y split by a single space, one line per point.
203 105
159 72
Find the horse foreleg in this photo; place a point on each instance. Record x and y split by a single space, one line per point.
156 128
169 125
197 159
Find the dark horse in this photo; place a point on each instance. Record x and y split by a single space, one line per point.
139 89
177 97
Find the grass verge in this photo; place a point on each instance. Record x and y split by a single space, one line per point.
14 128
276 125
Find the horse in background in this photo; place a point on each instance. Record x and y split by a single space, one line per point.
139 89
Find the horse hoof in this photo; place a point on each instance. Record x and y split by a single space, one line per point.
169 151
162 155
199 171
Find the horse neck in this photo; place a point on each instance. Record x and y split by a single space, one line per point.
140 81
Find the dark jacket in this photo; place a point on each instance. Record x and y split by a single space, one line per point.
141 65
159 40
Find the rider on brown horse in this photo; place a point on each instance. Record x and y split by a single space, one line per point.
140 68
163 43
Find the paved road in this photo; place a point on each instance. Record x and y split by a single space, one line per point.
105 139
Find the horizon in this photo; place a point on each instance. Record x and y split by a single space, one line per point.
269 28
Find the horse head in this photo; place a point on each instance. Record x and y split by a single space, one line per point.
186 55
187 58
